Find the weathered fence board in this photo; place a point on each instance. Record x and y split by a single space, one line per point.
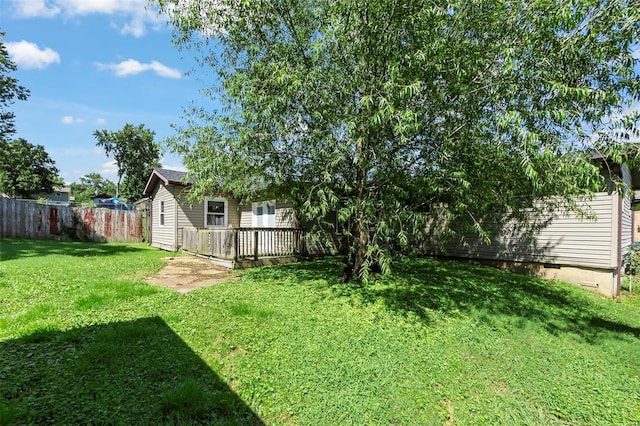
23 219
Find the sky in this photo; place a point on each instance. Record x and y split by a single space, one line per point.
93 65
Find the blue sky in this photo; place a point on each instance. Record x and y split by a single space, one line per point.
94 64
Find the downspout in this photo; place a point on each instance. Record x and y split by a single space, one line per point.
618 283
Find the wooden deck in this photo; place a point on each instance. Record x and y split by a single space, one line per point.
245 247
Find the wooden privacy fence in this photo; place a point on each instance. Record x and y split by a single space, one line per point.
24 219
244 243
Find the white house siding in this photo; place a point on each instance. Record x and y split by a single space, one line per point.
285 215
246 215
567 240
189 215
234 212
626 215
164 236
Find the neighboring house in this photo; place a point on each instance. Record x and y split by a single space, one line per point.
60 196
175 218
584 252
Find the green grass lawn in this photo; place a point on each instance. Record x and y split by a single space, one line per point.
83 340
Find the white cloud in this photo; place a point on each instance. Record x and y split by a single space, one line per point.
133 67
164 71
130 16
29 56
136 28
34 9
108 7
69 119
109 168
179 168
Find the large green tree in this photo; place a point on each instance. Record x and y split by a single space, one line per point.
90 185
26 169
136 154
10 91
380 109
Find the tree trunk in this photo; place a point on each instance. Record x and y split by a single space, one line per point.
357 255
362 240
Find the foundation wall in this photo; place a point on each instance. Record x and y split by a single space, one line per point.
600 280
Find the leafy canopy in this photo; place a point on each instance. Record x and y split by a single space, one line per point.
136 154
26 169
380 108
90 185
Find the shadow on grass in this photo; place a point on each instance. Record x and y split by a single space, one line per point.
426 288
15 249
135 372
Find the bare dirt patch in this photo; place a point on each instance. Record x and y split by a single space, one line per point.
187 273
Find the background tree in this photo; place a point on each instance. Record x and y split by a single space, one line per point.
136 155
10 91
381 108
26 169
90 185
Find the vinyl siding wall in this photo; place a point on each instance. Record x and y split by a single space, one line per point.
192 215
566 240
285 217
164 237
627 215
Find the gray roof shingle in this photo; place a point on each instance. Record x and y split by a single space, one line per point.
173 176
167 176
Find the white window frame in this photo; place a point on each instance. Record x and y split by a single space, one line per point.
226 211
270 218
161 217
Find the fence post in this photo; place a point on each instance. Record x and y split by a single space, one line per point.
236 244
255 245
303 243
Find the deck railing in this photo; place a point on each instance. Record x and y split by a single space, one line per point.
244 243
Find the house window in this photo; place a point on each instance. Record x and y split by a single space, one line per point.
264 214
215 212
161 213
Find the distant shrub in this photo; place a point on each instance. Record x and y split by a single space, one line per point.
631 260
72 233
